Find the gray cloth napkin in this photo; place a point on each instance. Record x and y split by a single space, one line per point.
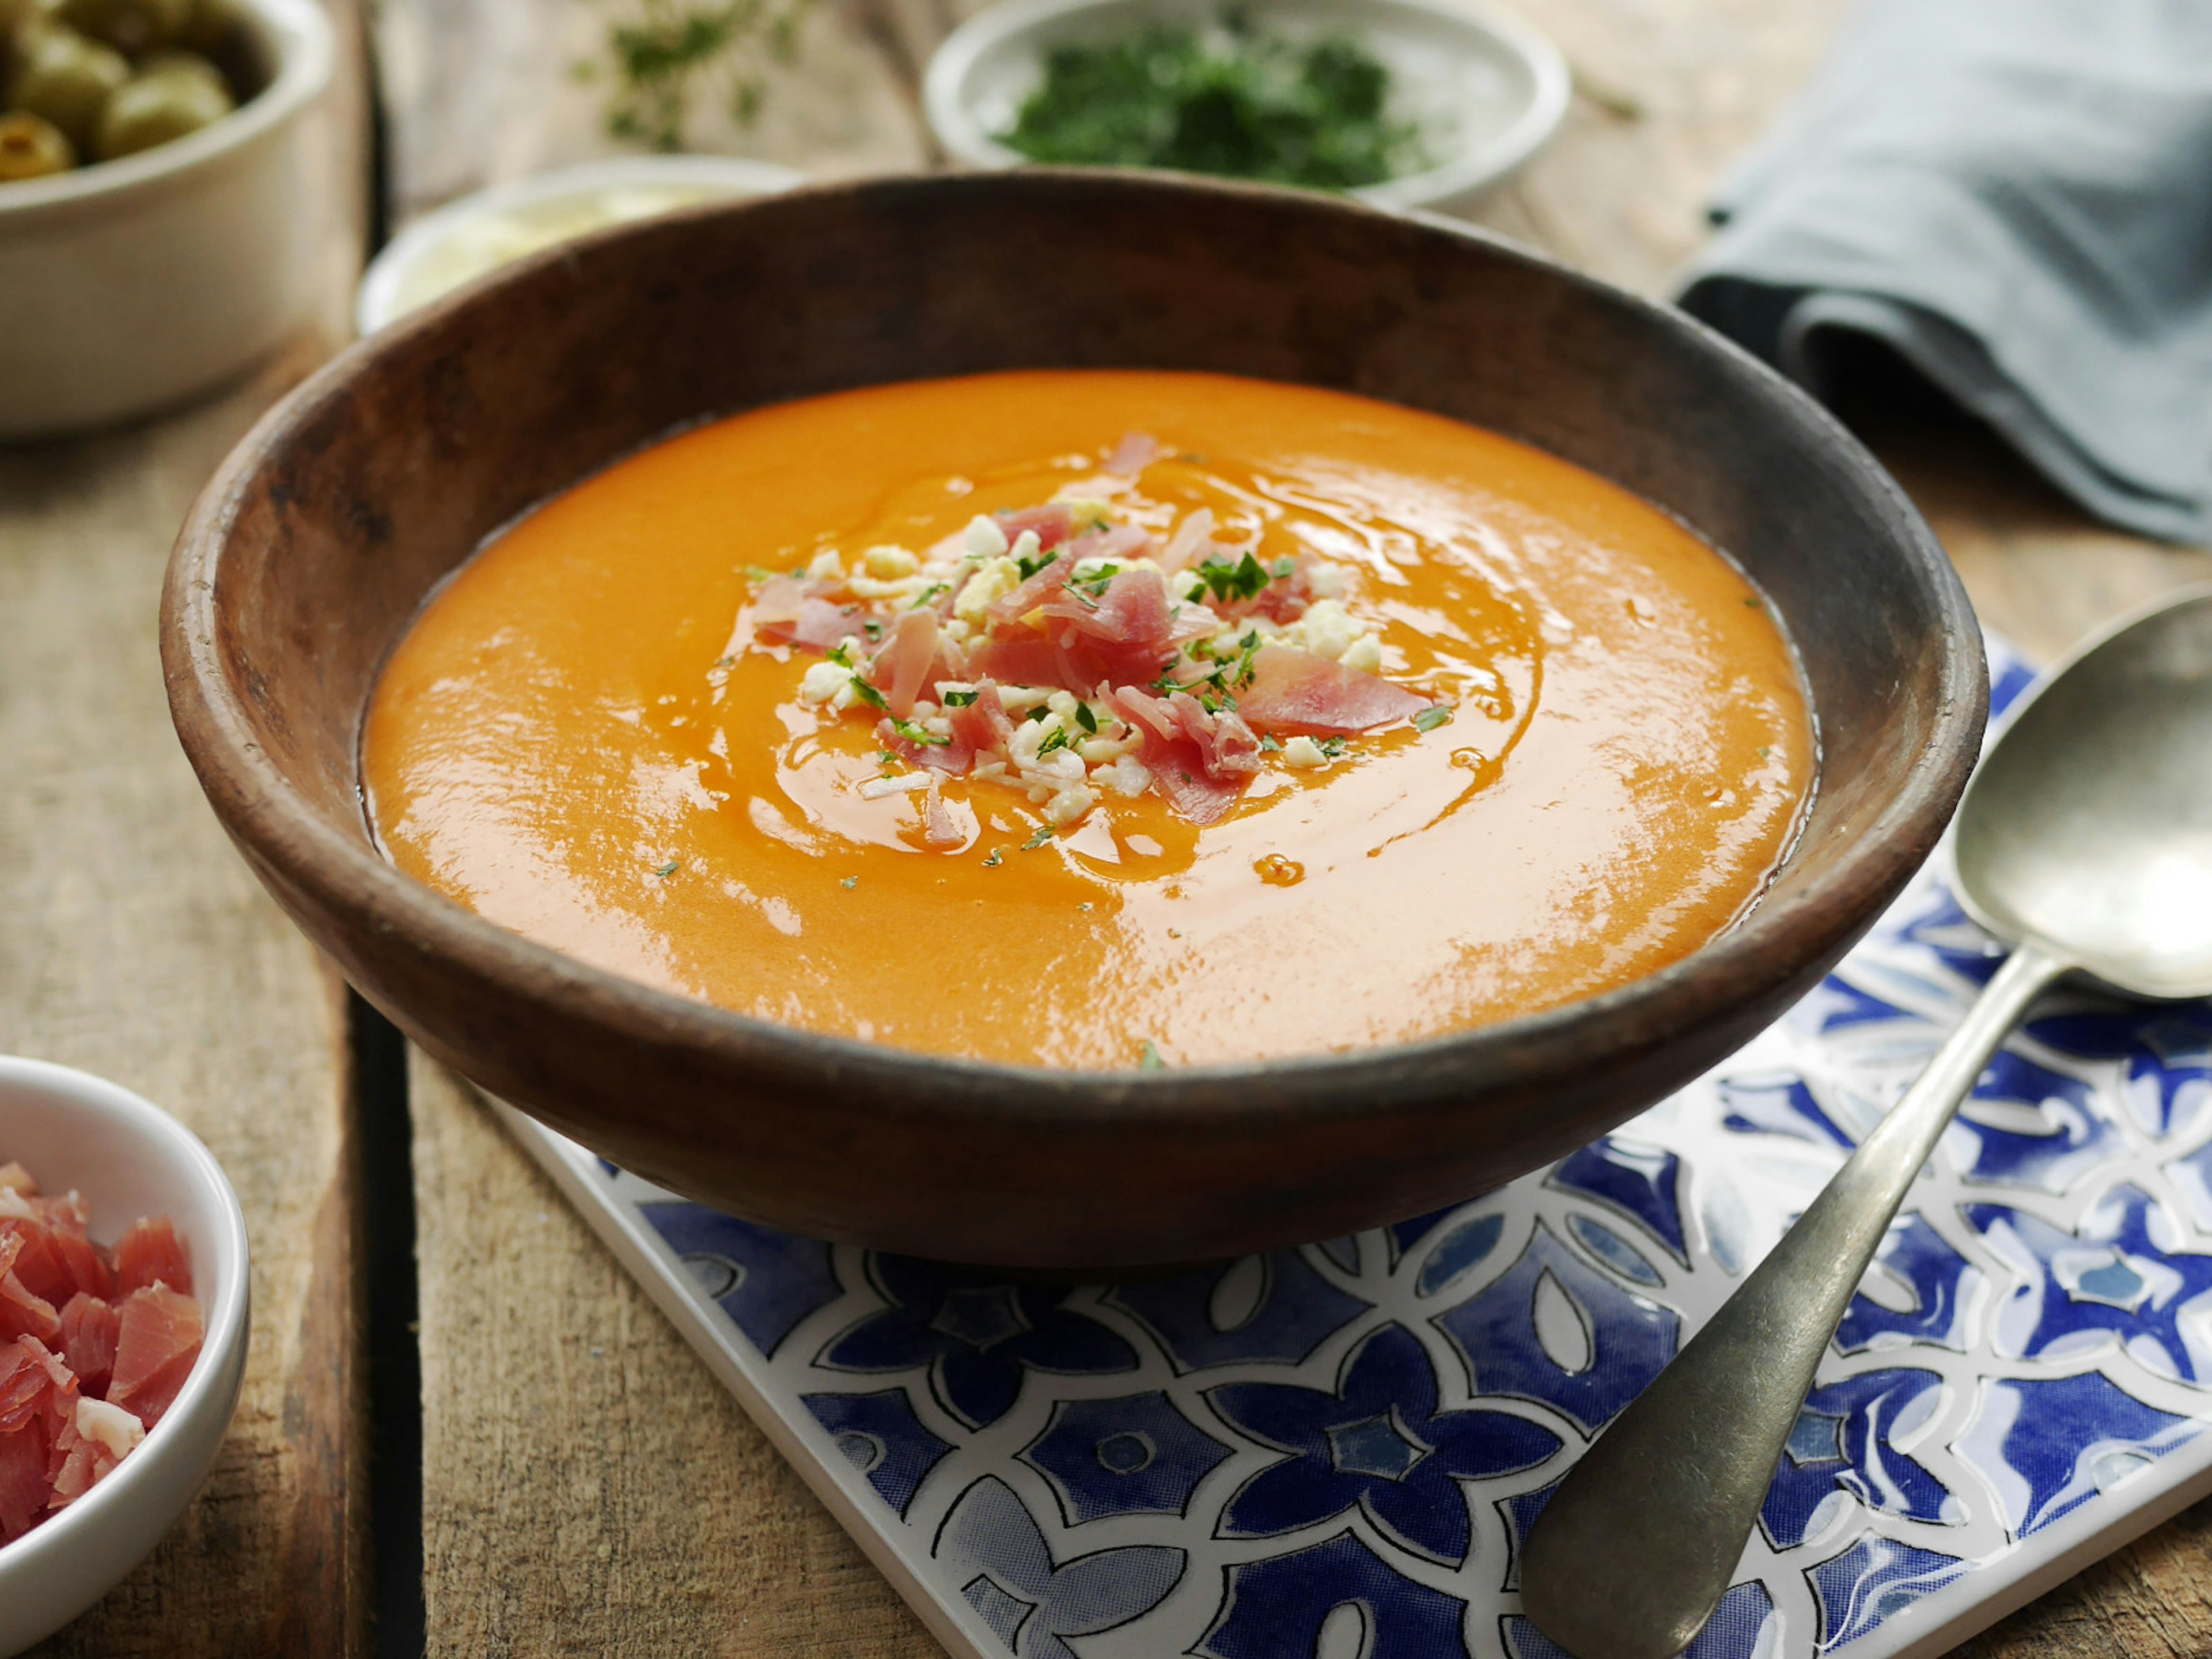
2016 196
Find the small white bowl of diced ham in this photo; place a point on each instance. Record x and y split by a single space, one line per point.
123 1322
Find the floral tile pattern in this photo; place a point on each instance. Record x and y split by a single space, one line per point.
1336 1451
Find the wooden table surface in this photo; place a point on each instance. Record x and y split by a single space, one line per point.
583 1485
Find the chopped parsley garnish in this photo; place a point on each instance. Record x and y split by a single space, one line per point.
1093 583
886 756
839 655
872 629
1431 717
1037 714
1270 743
915 732
1043 835
1057 739
1148 1058
725 662
1241 580
994 861
1332 747
755 572
1029 568
1085 719
958 699
669 869
849 883
929 594
868 694
1237 101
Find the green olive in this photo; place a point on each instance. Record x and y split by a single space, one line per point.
129 26
165 103
32 148
67 80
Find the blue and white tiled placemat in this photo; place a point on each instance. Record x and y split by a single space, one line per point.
1332 1452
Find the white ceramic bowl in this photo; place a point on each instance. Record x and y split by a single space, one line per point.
129 1158
1486 89
136 283
475 235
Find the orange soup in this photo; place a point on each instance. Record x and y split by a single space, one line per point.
1096 719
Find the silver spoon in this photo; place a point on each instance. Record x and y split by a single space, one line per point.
2086 837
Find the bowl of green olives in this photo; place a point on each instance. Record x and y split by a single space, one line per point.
156 228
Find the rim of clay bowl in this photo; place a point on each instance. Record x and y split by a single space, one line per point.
1779 939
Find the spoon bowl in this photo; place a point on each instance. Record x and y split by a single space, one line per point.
2088 830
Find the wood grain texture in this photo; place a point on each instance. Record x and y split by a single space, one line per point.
1670 92
591 1489
136 945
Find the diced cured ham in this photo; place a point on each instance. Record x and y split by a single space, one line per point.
1299 692
902 668
158 1341
1200 760
90 1330
981 724
818 625
23 1312
24 1488
150 1252
938 828
1051 524
79 1387
1136 452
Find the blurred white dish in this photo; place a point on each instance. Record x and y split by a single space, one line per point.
476 234
1486 89
129 1158
135 283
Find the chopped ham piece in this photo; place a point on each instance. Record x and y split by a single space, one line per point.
983 724
1200 760
1053 523
902 668
23 1312
90 1330
1297 692
149 1254
80 1387
939 830
818 625
24 1488
159 1339
1136 452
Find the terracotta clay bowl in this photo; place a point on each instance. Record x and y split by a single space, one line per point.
310 551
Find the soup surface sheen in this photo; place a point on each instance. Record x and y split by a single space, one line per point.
585 739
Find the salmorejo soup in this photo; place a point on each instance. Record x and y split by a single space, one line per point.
1097 719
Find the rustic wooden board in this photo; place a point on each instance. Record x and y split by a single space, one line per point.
588 1489
136 944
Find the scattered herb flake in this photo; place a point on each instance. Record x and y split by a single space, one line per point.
994 861
1037 712
1057 739
915 733
1763 751
1149 1058
1431 717
838 654
958 699
669 869
1270 743
929 594
1085 719
868 694
1043 835
872 629
1029 568
1241 580
849 883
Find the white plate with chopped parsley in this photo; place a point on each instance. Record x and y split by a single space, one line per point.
1402 103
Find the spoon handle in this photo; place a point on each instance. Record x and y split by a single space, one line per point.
1640 1542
